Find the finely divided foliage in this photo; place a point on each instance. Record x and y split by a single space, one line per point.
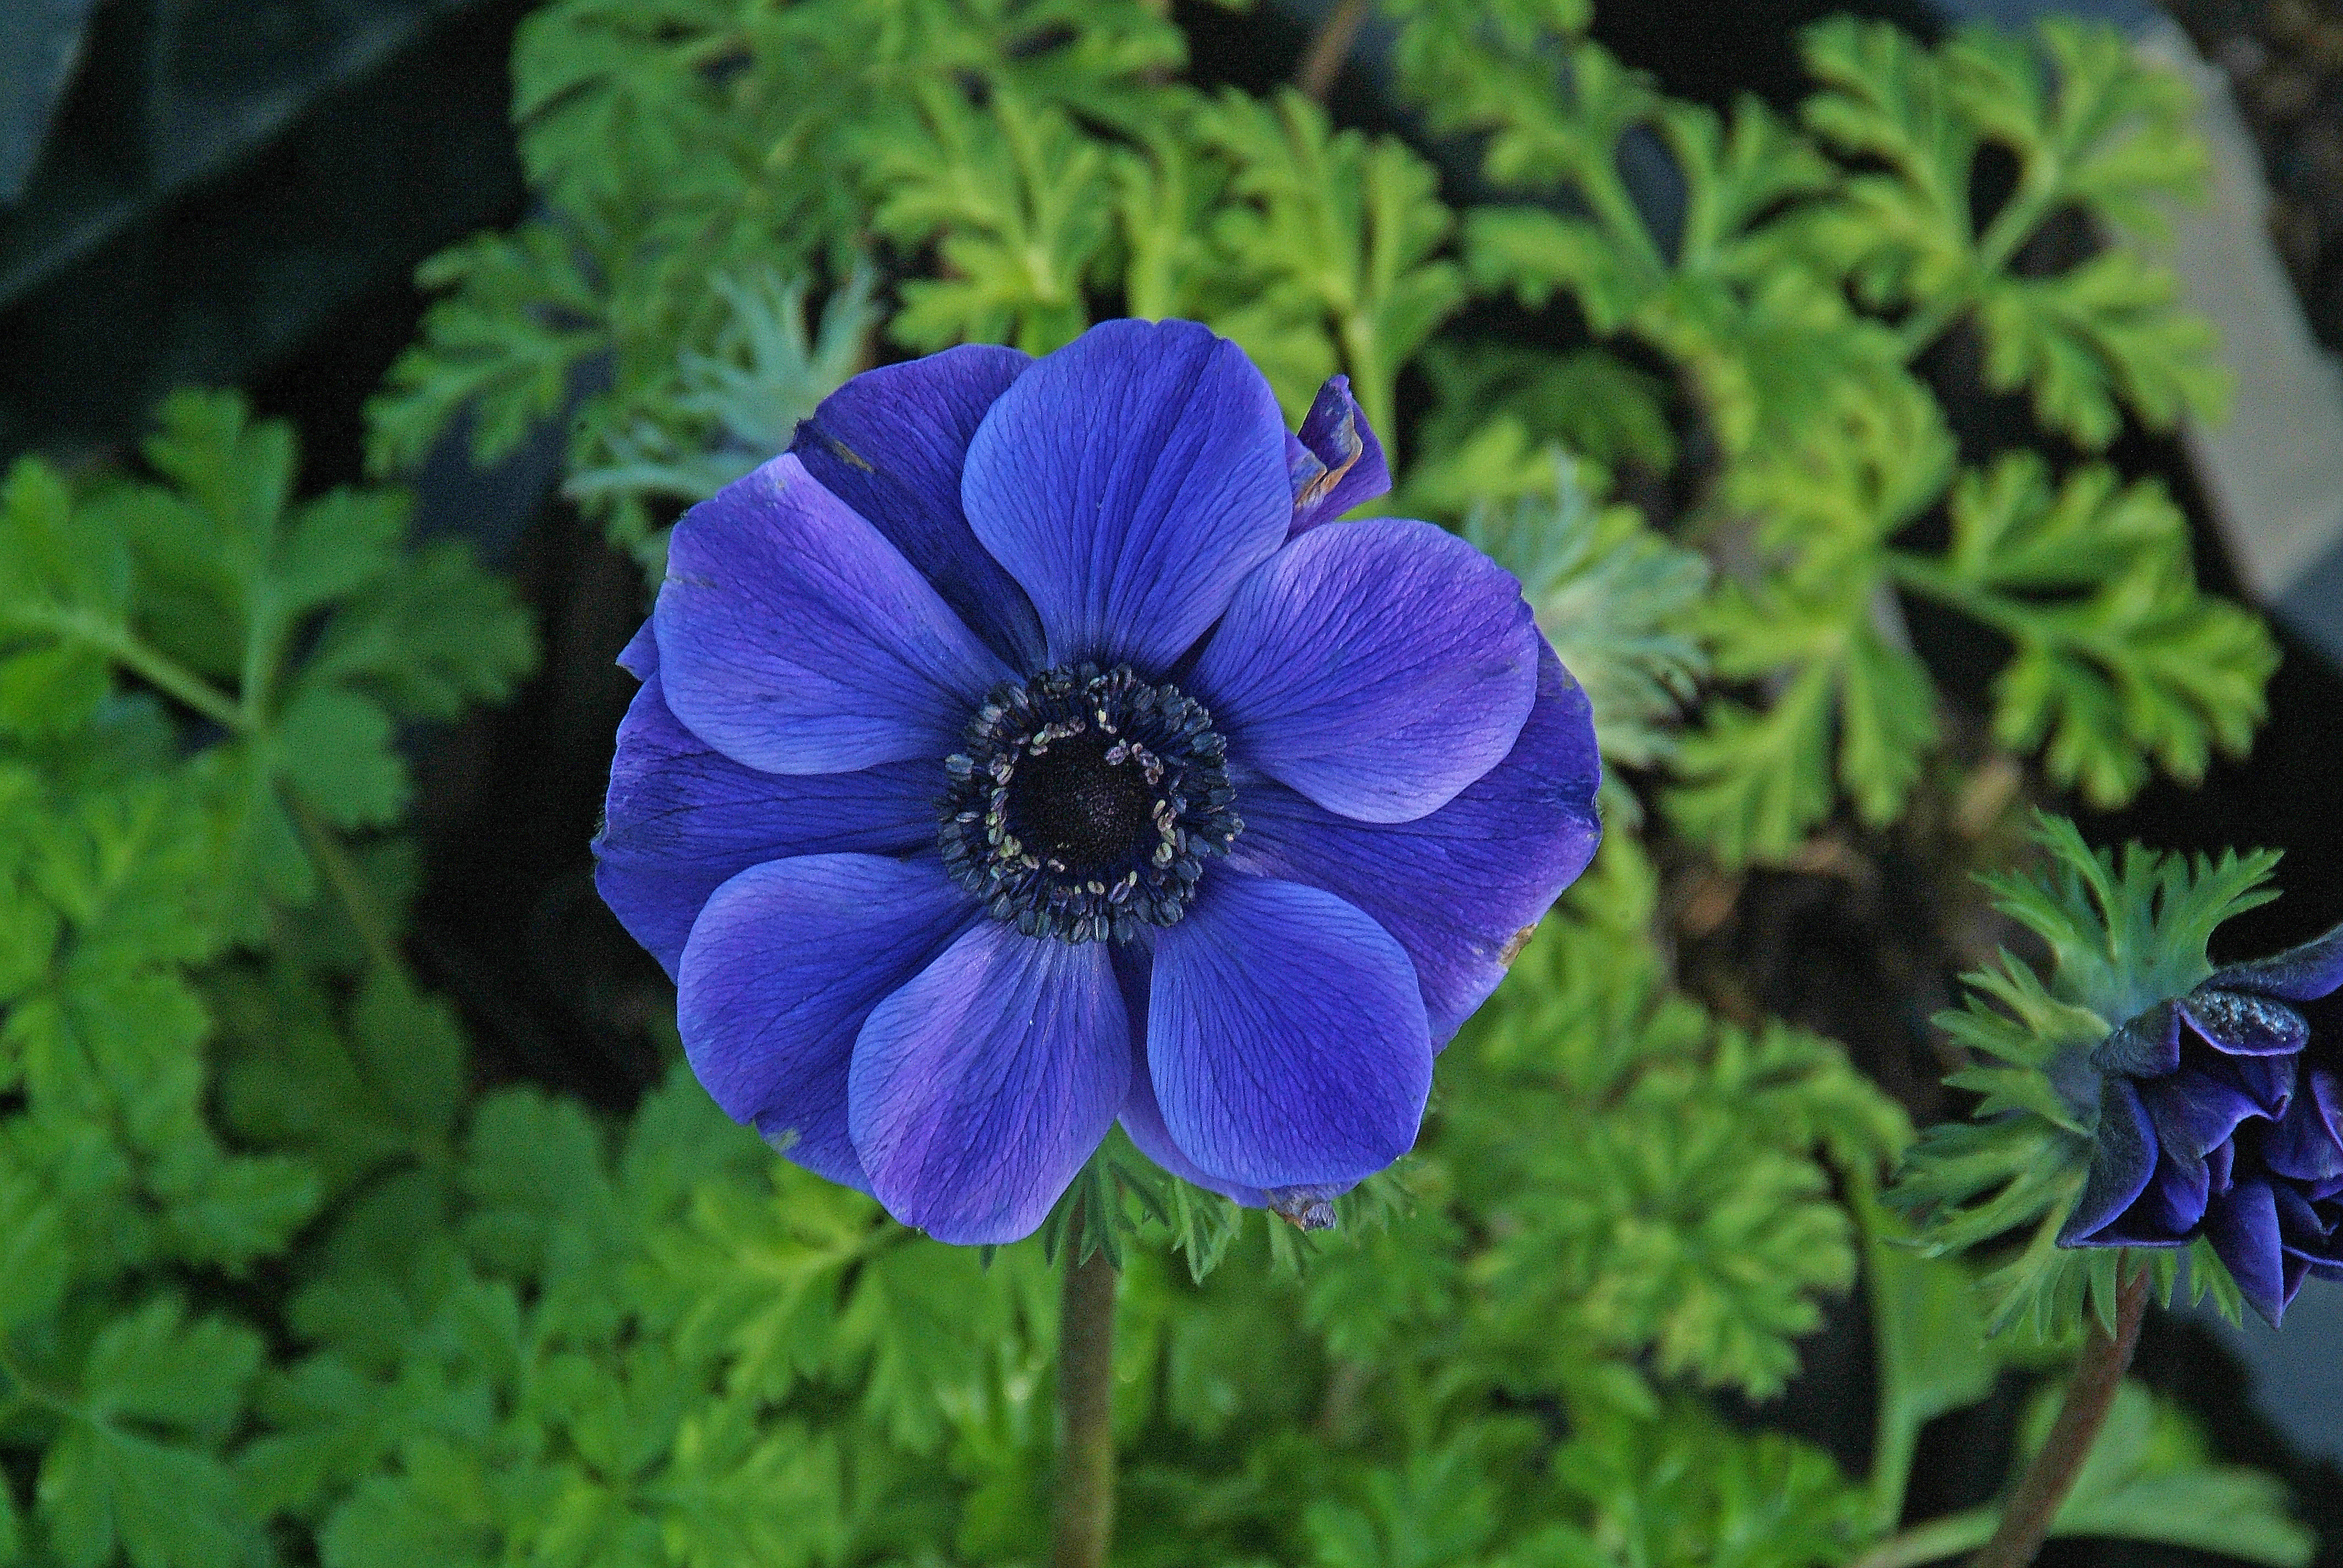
283 1281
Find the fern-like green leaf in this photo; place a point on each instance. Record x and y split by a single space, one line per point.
1336 238
2120 661
2094 130
1015 200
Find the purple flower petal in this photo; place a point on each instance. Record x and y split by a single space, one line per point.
2303 1230
639 658
2123 1159
890 444
1286 1040
1142 1118
2306 1145
2147 1046
783 966
2267 1080
1456 886
1378 668
2242 1224
2296 1268
2302 973
2167 1211
2244 1024
2220 1166
1337 464
1130 481
981 1087
794 638
2194 1113
682 819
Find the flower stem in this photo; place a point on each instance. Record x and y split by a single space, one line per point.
1085 1490
2089 1394
1329 47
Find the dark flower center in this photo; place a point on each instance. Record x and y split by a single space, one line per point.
1085 801
1079 807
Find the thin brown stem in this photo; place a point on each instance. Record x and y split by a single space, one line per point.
2089 1394
1085 1490
1329 47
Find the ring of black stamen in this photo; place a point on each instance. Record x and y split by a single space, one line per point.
1086 801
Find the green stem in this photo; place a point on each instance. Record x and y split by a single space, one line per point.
28 1387
1925 575
1085 1489
375 933
1937 1538
2020 622
1923 325
2009 230
165 674
2091 1393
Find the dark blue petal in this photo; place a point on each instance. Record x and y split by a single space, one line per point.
639 658
2147 1046
1458 887
981 1087
2244 1024
2242 1224
1310 1208
1285 1038
2167 1209
890 444
1378 668
2307 1143
2304 973
783 966
2305 1231
682 819
2220 1166
793 638
1130 481
1143 1119
2267 1080
2123 1159
2194 1113
1337 464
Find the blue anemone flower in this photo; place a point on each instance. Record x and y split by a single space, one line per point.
1022 751
2216 1119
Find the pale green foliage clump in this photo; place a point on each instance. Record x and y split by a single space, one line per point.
736 405
1694 1215
675 142
1813 268
204 586
2118 661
